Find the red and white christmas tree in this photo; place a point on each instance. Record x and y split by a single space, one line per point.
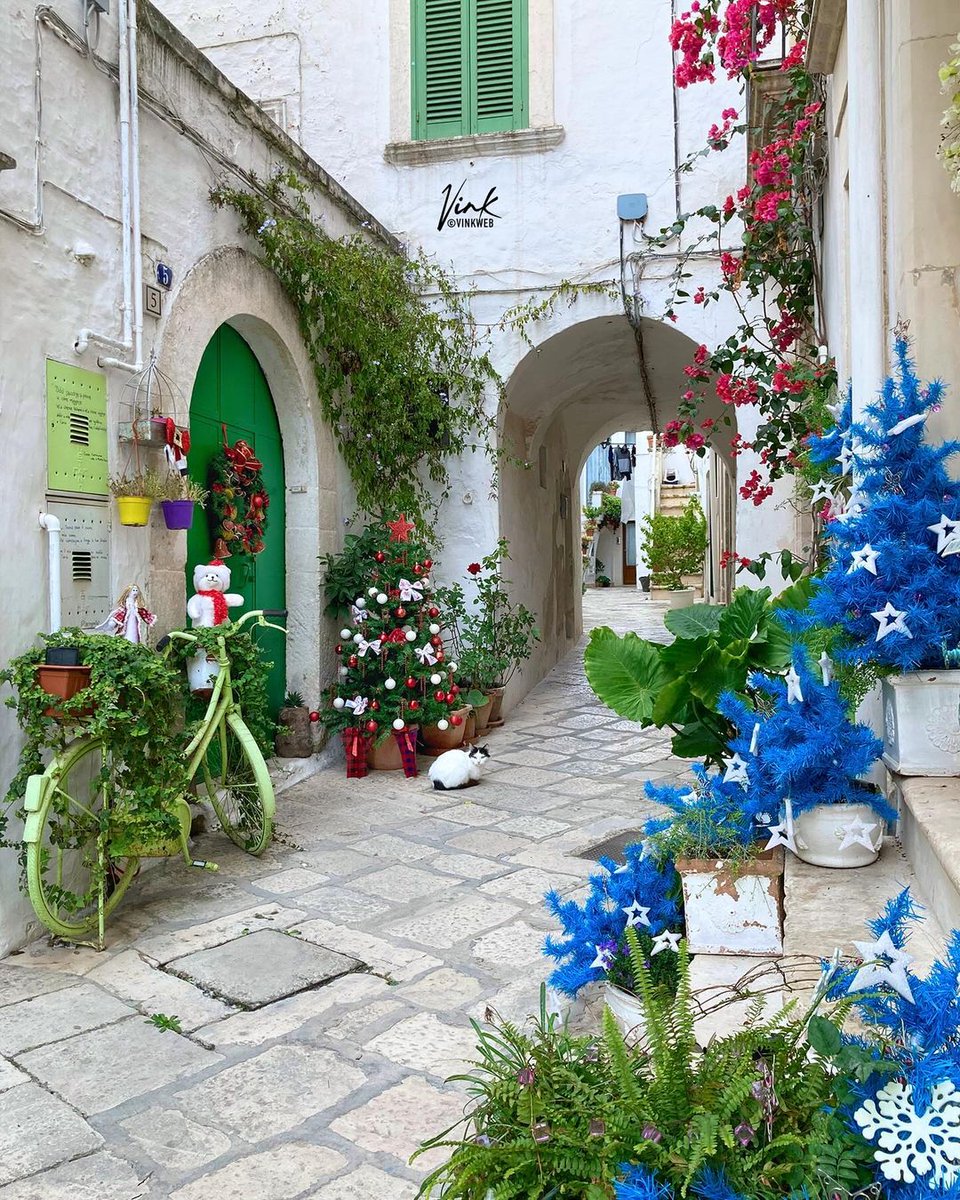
394 675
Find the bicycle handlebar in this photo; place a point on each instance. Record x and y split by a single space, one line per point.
229 627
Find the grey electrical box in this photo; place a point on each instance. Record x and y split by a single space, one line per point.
102 6
632 206
84 562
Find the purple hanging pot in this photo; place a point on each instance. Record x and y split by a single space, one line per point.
178 514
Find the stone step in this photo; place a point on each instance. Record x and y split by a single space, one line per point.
930 834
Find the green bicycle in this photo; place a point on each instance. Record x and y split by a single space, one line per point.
81 859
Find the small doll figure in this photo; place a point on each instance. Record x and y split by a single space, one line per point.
131 618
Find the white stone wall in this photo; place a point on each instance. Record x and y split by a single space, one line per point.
601 93
48 296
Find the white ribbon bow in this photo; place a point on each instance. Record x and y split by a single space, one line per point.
358 704
426 655
363 646
358 614
409 591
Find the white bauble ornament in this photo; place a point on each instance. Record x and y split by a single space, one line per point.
399 723
443 723
339 702
345 633
411 635
381 597
371 591
343 672
389 684
434 628
361 602
358 638
454 666
435 679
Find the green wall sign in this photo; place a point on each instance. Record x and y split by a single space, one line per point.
76 430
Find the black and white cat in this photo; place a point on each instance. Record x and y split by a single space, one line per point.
458 768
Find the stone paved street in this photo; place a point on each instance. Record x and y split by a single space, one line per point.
278 1088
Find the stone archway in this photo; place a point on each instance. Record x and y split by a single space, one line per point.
586 381
230 286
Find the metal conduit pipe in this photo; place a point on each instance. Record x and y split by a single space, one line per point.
52 525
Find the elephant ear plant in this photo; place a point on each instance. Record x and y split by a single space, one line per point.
678 686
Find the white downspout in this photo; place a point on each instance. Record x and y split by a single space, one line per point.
52 525
865 141
132 306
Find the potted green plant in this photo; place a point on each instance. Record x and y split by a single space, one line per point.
134 496
62 674
673 547
178 497
730 870
602 581
294 739
678 686
611 508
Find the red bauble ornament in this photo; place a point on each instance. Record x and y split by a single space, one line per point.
414 705
371 726
339 648
411 682
439 695
353 661
436 640
433 611
380 556
440 655
417 569
454 690
456 719
374 705
427 564
450 698
400 612
314 716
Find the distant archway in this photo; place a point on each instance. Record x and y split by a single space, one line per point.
583 383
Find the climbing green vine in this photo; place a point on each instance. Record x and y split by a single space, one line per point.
401 379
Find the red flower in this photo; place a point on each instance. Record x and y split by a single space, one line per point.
474 568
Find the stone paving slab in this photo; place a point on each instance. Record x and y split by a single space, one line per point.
152 990
96 1177
57 1015
261 967
277 1174
38 1130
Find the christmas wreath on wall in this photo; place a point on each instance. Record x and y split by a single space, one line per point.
238 501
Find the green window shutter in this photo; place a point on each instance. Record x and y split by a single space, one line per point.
500 65
469 68
441 61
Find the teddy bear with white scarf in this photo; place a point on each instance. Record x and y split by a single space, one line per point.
210 604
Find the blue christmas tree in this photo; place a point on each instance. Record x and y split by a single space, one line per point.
800 743
909 1108
643 892
893 584
717 817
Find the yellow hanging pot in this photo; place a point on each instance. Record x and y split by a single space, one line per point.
134 510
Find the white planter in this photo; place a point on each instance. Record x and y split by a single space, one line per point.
626 1009
820 832
202 670
730 911
921 723
679 598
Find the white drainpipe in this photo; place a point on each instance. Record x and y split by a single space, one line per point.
52 525
131 337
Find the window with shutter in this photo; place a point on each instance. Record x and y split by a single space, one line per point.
469 67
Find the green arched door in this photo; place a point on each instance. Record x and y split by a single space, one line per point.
230 389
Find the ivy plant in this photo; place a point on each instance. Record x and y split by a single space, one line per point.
678 686
400 371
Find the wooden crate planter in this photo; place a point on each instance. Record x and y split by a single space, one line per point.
734 909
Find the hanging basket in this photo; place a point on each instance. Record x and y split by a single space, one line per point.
177 514
134 510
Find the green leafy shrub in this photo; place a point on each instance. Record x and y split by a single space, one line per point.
678 686
674 546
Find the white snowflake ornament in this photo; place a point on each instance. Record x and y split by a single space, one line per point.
913 1145
736 771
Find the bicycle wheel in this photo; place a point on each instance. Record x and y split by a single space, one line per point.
239 786
66 839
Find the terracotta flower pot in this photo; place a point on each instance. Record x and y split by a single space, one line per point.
385 755
296 741
134 510
177 514
470 728
446 739
495 718
64 683
482 713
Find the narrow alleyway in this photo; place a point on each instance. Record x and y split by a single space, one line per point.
431 906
